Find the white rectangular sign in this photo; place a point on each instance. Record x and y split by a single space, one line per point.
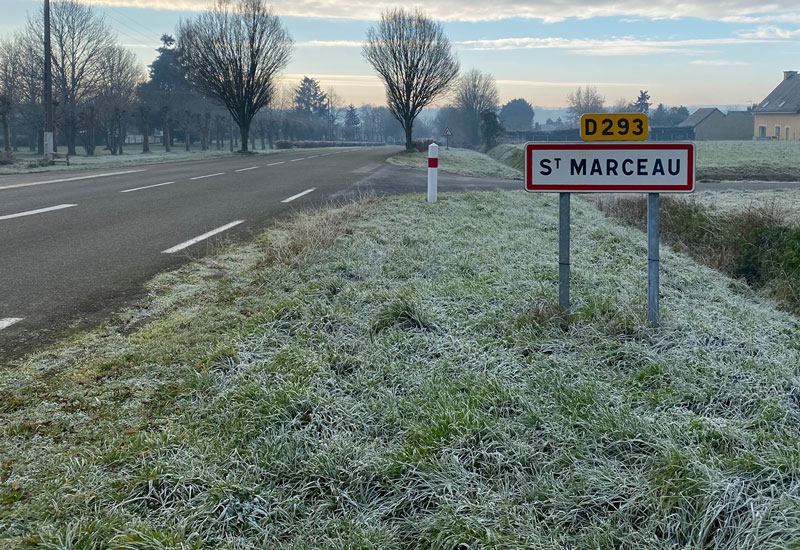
614 167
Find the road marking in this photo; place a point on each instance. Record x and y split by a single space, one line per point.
8 321
71 179
275 163
202 237
313 156
295 160
326 154
246 169
297 196
38 211
147 187
208 176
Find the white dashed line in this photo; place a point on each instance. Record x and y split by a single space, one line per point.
71 179
38 211
326 154
313 156
295 160
8 321
246 169
276 163
202 237
147 187
297 196
207 176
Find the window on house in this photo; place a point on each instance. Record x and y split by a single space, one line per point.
782 103
764 104
787 133
762 131
777 131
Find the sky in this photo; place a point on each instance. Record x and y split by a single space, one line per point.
720 52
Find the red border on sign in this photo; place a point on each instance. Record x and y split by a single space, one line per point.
598 146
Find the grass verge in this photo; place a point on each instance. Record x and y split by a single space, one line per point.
397 375
463 162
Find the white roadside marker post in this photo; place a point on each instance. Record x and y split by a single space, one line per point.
563 251
433 172
652 258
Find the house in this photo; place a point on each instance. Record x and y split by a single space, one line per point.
778 116
709 123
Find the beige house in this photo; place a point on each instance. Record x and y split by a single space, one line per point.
778 116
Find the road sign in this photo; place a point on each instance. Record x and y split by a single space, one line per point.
619 127
447 132
610 167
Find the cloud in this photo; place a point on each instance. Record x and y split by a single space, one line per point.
614 46
734 11
550 84
339 80
718 63
331 44
770 32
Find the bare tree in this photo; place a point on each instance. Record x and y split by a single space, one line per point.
10 76
78 36
233 53
476 93
412 56
583 101
119 75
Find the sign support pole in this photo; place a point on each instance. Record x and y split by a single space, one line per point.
563 251
652 258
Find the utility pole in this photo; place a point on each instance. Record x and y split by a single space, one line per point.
49 122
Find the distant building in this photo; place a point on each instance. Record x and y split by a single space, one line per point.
709 123
671 133
778 116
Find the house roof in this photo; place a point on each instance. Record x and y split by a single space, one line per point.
783 99
698 116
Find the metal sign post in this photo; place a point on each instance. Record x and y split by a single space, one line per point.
651 168
446 135
563 251
652 258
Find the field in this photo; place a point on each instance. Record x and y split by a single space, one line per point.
719 160
463 162
397 375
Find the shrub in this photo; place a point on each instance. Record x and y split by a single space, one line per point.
283 144
756 245
6 158
421 145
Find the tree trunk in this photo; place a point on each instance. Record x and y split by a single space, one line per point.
165 137
121 132
408 127
145 136
245 131
188 139
6 136
70 129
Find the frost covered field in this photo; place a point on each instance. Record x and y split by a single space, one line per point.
787 201
396 375
463 162
764 160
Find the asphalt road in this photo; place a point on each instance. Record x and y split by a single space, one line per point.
77 246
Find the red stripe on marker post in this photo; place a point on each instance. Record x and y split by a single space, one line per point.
433 163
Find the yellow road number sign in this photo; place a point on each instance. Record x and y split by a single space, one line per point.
619 127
